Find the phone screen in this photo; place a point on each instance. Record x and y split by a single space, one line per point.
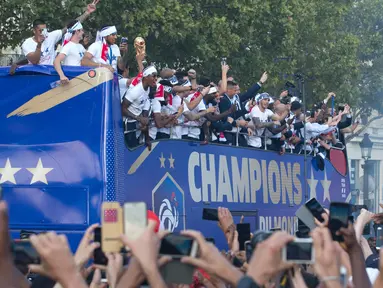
24 253
379 237
315 208
176 245
210 214
99 256
243 234
299 251
339 213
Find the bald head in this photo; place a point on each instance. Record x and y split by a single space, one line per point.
280 108
166 73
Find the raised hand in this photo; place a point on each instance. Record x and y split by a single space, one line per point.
266 261
57 261
86 247
327 263
114 268
211 260
264 77
90 8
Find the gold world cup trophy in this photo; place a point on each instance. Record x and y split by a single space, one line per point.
139 45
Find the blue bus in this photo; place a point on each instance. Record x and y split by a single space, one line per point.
62 153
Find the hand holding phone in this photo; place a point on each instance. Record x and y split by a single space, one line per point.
339 215
178 246
315 208
210 214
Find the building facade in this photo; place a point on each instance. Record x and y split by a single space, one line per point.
373 169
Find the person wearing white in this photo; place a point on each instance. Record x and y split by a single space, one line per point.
104 52
40 49
261 117
135 102
72 51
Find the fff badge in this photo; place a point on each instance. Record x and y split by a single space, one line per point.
168 202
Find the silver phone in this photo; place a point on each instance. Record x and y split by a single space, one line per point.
299 251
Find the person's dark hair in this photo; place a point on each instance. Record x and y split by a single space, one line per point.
71 23
204 81
231 84
38 22
105 26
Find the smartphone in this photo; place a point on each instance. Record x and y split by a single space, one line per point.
243 230
24 253
135 219
315 208
379 237
248 250
223 61
276 229
177 246
304 214
112 227
210 214
99 256
211 240
339 213
299 251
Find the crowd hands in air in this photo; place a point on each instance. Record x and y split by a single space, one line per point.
352 263
171 104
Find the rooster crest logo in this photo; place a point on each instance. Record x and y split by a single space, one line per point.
168 213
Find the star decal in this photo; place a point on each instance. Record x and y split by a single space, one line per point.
39 173
162 160
8 173
326 187
313 185
171 161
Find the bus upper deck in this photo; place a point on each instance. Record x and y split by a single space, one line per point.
62 153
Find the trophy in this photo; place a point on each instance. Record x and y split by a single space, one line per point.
139 45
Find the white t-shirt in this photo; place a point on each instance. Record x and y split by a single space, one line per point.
112 56
256 141
178 131
123 87
139 99
194 130
48 52
156 108
74 53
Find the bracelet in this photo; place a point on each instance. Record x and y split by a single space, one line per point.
330 278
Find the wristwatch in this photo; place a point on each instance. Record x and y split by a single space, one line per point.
247 282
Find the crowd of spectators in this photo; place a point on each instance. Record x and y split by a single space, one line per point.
351 263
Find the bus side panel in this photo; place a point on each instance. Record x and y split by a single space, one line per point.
52 159
178 179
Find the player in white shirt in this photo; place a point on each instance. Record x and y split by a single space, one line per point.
136 105
104 52
163 114
72 51
40 49
261 117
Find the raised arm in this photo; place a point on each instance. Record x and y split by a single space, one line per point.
90 8
253 89
223 87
